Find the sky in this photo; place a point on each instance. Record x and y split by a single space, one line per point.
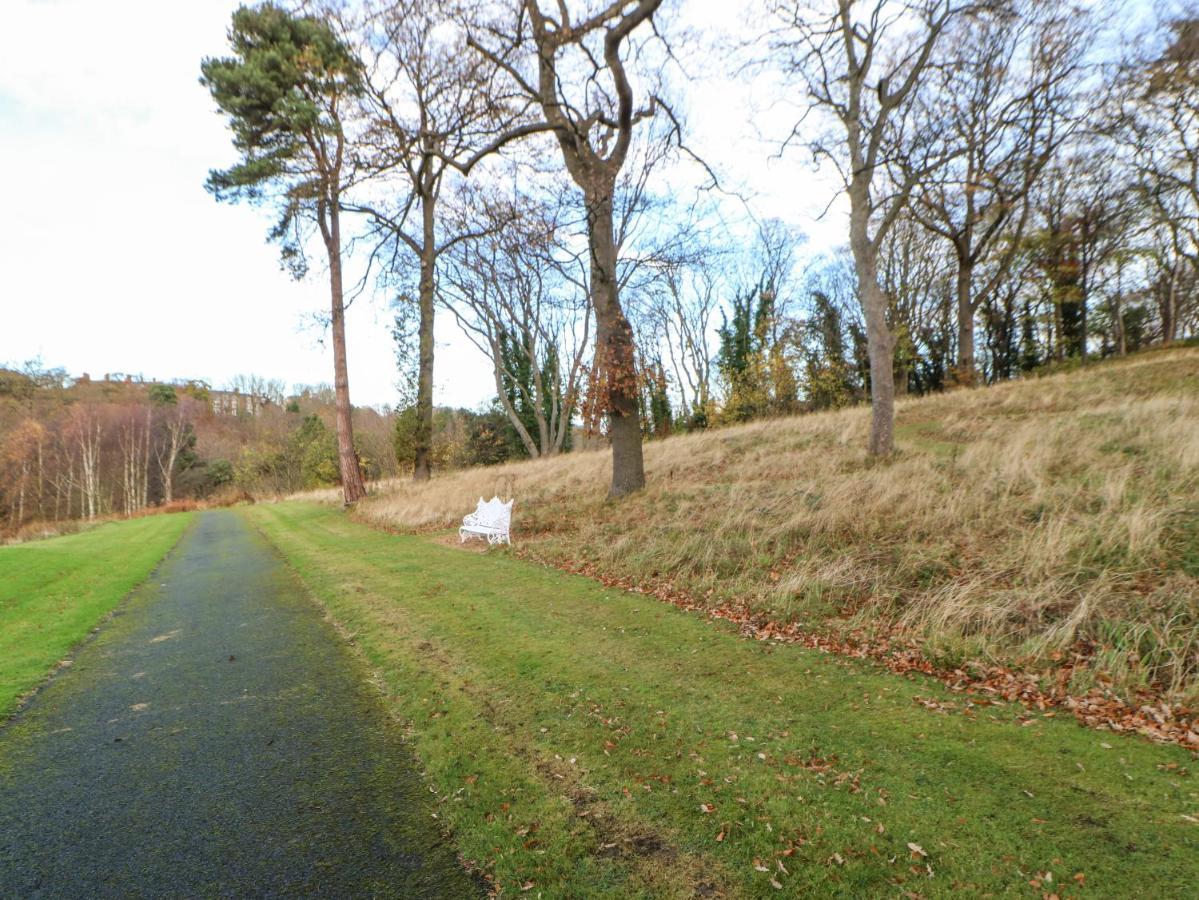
115 259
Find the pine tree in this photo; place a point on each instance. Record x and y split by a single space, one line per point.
285 92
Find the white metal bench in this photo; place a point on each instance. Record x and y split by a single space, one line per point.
492 519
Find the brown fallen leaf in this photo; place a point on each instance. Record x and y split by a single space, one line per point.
1098 708
916 849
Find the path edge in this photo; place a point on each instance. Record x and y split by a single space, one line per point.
378 686
25 699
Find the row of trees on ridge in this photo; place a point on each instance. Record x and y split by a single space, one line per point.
1018 189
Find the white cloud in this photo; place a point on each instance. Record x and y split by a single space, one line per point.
115 258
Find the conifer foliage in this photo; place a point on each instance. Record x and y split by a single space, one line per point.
286 92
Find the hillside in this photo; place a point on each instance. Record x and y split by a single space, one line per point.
1051 523
74 449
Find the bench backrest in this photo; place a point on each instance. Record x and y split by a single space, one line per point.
494 513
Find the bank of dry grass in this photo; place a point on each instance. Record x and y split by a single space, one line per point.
1015 522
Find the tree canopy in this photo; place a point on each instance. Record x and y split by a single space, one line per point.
283 92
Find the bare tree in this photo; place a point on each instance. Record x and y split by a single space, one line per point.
1172 283
507 291
133 438
863 64
659 236
20 458
1085 217
86 434
1008 101
575 66
914 268
1161 114
682 316
176 426
437 111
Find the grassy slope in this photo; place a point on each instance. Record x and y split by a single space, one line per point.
53 592
576 735
1015 521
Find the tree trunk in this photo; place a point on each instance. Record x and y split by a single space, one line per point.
1121 336
352 485
1057 341
422 468
880 345
89 463
21 493
529 348
41 481
1170 308
966 370
880 342
144 487
175 431
614 349
1084 289
517 425
168 475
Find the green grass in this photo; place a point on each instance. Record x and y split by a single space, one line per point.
589 742
1018 524
53 592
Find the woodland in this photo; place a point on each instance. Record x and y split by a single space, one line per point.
1017 183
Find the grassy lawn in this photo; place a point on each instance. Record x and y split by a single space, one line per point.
53 592
588 742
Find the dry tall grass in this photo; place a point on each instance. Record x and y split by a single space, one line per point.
1015 521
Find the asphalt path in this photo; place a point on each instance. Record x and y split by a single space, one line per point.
216 739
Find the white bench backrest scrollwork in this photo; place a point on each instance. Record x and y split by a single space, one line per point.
494 513
491 519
